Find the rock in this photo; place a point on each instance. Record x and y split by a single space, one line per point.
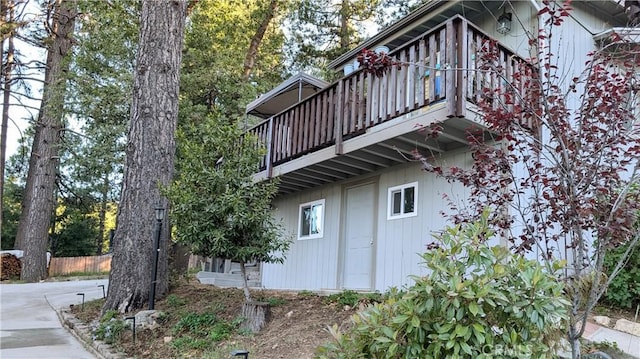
597 355
288 315
602 320
167 339
628 326
148 319
346 308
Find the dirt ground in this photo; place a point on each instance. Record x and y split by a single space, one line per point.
297 326
298 323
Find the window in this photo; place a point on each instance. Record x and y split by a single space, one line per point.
311 221
402 201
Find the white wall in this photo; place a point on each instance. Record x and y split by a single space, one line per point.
310 263
314 264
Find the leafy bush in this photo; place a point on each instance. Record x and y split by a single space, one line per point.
353 298
347 297
174 301
196 324
306 294
108 315
624 290
274 302
189 343
198 331
110 329
478 302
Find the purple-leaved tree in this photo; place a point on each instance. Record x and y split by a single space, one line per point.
560 168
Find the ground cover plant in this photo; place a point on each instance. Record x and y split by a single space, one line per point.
202 322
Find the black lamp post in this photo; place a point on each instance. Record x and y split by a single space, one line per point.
156 247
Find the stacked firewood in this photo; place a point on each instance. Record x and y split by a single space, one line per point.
11 266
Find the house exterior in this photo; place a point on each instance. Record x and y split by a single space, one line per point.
354 200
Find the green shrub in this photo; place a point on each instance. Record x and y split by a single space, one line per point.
198 331
111 330
174 301
306 294
108 315
478 302
347 297
624 290
187 342
275 302
195 324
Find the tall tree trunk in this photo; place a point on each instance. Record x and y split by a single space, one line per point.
345 36
252 52
39 202
150 156
7 11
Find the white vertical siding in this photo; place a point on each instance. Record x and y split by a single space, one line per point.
310 263
314 264
401 241
524 24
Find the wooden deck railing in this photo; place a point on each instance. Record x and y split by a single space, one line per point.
440 65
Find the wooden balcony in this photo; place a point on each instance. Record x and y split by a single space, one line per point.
363 123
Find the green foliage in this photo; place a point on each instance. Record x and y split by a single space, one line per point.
11 207
83 274
624 290
306 294
214 54
353 298
218 210
189 343
110 329
347 297
478 302
274 302
322 30
201 330
108 315
174 301
194 323
98 99
75 233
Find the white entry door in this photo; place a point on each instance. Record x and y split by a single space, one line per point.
359 237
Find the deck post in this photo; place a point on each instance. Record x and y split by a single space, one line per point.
339 116
463 64
450 75
270 149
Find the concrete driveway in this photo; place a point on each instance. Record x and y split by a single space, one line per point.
29 326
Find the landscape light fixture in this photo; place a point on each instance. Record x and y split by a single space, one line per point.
159 212
240 353
504 23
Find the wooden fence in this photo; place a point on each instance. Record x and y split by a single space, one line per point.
67 265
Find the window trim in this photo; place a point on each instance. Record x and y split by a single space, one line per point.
391 190
320 234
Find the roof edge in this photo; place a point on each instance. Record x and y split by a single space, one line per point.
392 29
299 77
